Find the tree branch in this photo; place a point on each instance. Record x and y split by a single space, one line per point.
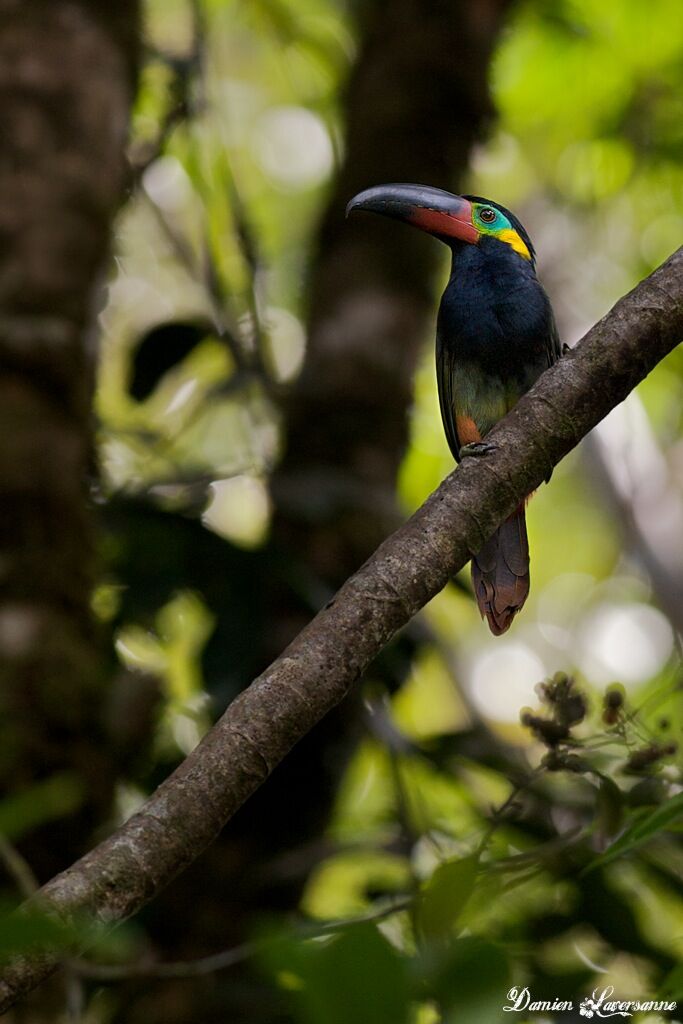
316 671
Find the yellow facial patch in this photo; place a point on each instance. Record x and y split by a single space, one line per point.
512 238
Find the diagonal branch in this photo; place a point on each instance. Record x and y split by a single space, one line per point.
315 672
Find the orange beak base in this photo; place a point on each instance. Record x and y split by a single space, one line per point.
447 225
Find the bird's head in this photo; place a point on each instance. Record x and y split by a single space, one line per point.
452 219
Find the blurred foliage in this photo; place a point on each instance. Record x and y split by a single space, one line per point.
577 876
43 801
500 895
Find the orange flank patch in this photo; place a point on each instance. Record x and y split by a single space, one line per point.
468 432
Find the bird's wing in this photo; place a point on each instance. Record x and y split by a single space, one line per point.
489 400
554 343
554 352
445 376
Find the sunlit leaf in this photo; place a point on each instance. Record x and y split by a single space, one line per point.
341 885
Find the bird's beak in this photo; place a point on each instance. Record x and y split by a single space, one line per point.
431 209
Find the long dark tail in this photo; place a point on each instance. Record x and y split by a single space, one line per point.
500 573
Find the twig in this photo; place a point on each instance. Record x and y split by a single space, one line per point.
226 330
18 868
498 814
228 957
183 105
75 994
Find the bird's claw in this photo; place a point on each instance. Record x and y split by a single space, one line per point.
476 449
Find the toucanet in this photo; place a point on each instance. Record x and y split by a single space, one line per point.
495 335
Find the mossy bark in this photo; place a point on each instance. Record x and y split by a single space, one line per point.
67 72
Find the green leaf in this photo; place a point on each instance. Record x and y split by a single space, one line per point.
31 929
356 977
471 982
672 986
444 897
609 808
642 829
45 801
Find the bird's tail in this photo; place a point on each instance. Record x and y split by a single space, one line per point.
500 573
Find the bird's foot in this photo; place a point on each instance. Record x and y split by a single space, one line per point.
476 449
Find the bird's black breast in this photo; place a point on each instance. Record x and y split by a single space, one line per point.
495 315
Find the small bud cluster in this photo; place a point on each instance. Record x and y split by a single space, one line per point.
613 704
646 757
568 706
614 713
564 761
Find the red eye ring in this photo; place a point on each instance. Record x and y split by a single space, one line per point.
487 215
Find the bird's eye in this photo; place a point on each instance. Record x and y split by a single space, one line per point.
487 215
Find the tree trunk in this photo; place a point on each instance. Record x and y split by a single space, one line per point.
67 74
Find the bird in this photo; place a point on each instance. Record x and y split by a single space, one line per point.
495 335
